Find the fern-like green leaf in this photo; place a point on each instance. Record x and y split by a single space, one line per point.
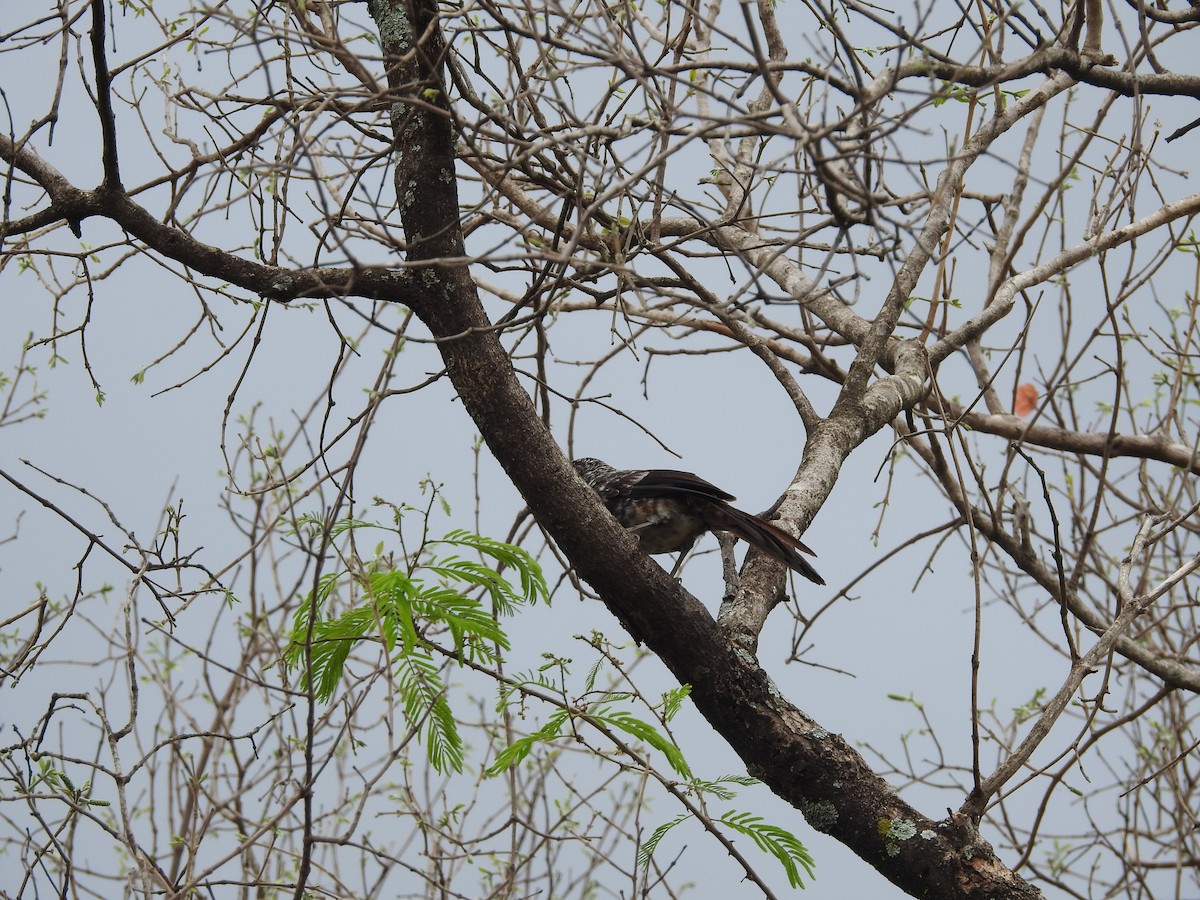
472 627
464 570
651 844
423 695
779 842
397 608
395 595
325 587
538 680
522 747
533 582
646 733
673 700
717 787
328 661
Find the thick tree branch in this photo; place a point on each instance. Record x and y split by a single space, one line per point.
104 107
273 282
1157 447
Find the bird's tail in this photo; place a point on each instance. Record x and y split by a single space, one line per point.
768 539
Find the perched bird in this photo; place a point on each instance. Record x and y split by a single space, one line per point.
669 510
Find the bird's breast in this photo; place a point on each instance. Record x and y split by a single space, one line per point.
661 526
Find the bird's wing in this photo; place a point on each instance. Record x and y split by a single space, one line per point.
664 482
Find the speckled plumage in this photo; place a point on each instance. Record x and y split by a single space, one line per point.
668 510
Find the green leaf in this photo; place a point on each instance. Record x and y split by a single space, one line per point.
648 734
779 842
673 700
522 747
423 695
533 582
657 835
717 787
399 609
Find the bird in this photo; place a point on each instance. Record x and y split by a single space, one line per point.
668 510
